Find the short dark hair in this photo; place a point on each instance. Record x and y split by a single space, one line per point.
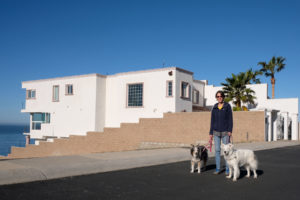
221 93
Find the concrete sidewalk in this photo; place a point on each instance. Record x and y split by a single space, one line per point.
27 170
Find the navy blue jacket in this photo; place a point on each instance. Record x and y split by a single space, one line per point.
221 120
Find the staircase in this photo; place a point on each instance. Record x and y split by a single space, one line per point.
174 128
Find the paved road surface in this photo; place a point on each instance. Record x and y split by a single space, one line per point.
279 178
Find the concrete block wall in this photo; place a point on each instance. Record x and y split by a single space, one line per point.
192 126
176 128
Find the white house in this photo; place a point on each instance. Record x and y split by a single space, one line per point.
74 105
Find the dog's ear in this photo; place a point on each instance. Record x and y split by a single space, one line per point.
222 146
192 145
230 145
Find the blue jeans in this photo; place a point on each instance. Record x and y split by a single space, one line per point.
217 139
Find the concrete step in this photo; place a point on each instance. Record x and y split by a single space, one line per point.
129 125
61 141
91 133
109 130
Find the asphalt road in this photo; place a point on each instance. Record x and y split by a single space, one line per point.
278 178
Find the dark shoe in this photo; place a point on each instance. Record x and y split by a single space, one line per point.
217 172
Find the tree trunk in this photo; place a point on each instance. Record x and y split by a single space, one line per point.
273 87
238 104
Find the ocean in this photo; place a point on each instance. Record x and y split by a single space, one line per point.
12 135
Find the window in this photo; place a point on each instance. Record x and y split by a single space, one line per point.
41 117
36 125
30 94
195 97
69 89
47 118
55 96
135 95
169 88
185 90
38 119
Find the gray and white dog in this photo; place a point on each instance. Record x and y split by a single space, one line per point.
237 158
199 154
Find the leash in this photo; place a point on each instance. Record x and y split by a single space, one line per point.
208 146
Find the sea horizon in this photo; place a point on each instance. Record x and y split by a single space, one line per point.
13 128
12 135
14 124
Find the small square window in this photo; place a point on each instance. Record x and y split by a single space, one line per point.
30 94
69 89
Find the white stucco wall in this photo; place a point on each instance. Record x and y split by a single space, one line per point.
100 108
288 108
155 100
200 86
183 104
261 91
209 95
289 105
72 114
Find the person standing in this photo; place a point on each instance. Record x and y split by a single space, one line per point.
220 127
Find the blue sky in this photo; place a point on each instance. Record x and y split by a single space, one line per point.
49 38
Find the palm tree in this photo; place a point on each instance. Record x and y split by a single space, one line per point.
269 69
253 76
248 97
236 91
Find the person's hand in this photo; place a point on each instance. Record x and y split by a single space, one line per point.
229 134
210 138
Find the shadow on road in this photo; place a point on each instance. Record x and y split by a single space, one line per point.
243 173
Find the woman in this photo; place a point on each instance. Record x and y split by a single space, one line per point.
220 127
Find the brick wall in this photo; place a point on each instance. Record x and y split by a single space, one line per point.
176 128
190 127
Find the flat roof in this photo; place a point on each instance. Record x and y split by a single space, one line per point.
65 77
118 74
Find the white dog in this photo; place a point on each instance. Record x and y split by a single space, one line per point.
238 158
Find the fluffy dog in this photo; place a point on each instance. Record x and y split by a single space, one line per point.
199 154
238 158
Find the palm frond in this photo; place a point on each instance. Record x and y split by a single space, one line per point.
235 88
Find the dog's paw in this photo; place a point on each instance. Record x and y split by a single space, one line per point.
199 172
248 176
228 176
192 171
255 176
234 179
